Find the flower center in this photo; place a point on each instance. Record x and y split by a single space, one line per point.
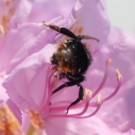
80 110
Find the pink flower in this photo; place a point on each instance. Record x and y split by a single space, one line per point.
26 49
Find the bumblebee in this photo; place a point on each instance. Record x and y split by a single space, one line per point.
72 59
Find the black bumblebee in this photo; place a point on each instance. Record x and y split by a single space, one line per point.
72 59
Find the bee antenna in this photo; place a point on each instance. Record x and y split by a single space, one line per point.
80 37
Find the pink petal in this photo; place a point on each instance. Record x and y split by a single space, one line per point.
93 19
28 80
15 109
92 126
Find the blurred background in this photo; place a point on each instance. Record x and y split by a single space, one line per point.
122 14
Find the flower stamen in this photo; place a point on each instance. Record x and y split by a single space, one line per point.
90 115
8 2
58 111
119 78
9 124
118 75
108 64
99 99
2 30
87 94
36 120
73 115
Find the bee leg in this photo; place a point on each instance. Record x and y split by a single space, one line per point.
68 84
80 37
77 82
80 97
61 30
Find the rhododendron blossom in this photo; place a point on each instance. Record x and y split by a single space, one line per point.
28 78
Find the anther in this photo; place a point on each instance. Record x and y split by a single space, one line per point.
36 119
9 124
109 61
99 99
87 94
1 30
118 74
